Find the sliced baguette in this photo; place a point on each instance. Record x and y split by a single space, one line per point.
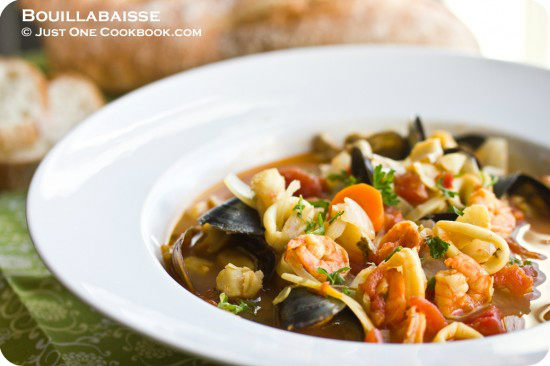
23 103
72 98
17 167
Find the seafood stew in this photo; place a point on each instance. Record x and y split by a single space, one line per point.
427 237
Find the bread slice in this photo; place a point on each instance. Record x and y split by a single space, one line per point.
23 103
17 167
72 98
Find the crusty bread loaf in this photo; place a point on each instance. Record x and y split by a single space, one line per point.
236 27
269 25
69 99
23 103
72 98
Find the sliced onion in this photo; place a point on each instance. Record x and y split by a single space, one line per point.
240 189
282 295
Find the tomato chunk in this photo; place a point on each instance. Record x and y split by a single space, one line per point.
410 187
310 185
391 217
435 321
447 180
488 322
514 279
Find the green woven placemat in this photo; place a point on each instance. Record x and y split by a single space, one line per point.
41 323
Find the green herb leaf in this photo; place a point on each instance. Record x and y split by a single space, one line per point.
317 226
398 249
383 182
457 211
493 179
343 177
445 191
335 278
431 285
438 247
335 217
242 306
299 206
527 262
348 291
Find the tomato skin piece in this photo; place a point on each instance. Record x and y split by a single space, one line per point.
410 187
435 321
310 185
447 180
366 196
515 279
488 322
391 217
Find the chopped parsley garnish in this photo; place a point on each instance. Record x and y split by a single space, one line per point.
242 306
383 182
335 217
526 262
445 191
316 226
348 291
324 204
299 208
438 247
398 249
457 210
493 179
431 284
343 177
334 278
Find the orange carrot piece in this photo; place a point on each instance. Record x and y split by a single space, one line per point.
368 197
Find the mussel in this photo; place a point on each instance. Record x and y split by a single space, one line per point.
389 144
532 190
417 132
234 217
470 142
361 167
178 263
450 216
254 246
303 308
259 249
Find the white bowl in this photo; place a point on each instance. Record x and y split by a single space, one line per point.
105 198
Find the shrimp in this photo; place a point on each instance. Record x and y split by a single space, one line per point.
415 326
463 288
404 234
503 220
309 252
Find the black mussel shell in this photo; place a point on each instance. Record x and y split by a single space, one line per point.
264 254
303 308
471 141
178 264
532 190
389 144
417 132
361 167
450 216
460 149
234 217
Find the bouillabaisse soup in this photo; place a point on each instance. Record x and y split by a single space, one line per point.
383 239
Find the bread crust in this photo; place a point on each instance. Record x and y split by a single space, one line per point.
236 27
25 133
